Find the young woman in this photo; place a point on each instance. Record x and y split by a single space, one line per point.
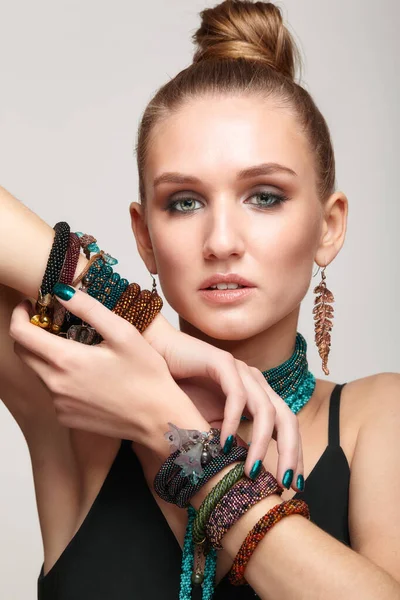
235 144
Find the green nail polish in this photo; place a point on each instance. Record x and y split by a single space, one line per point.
300 482
287 478
255 470
228 444
63 291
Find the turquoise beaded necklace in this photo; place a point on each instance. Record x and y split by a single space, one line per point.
292 380
295 384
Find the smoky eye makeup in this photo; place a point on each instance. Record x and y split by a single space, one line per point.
261 199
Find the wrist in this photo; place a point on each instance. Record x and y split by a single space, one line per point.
157 332
182 413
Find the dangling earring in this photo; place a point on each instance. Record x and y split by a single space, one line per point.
323 313
154 290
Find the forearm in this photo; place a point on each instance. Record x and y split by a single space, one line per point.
297 560
25 243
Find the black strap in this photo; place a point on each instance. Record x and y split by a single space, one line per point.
334 413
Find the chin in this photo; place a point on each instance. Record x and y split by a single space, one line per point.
227 331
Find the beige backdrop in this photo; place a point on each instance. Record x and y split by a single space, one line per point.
74 79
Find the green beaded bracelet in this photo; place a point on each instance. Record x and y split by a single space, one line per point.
212 499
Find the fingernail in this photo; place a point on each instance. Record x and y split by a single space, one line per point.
255 470
228 444
63 291
300 482
287 478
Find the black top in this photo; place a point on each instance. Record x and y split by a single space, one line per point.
125 549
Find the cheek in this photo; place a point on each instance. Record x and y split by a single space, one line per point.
289 258
174 257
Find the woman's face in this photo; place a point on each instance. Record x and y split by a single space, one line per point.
224 220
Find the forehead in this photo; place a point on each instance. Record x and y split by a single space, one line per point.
216 136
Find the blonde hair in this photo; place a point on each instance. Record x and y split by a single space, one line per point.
243 47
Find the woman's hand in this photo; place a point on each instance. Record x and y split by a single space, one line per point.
120 388
223 388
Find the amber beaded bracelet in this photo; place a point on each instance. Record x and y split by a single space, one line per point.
260 529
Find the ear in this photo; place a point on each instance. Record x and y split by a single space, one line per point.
333 229
142 236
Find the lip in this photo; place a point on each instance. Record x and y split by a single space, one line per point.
226 296
226 278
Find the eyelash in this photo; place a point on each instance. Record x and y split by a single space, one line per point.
280 199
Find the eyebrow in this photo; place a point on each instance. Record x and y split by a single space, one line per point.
263 169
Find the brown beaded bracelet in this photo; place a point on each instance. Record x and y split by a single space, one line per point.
236 502
126 299
260 529
67 275
138 307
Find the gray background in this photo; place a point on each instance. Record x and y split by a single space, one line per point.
74 80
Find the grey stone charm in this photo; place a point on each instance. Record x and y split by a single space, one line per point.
205 458
197 578
83 334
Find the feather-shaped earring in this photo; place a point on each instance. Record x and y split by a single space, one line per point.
323 315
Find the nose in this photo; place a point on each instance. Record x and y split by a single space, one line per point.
224 235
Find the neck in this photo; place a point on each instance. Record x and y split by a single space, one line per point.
265 350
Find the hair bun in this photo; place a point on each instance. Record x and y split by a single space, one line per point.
248 30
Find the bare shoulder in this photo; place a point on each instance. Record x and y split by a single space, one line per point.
375 533
377 392
361 401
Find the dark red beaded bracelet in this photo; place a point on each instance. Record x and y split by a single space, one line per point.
260 529
67 275
236 502
71 260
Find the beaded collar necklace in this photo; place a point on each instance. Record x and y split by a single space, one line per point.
295 384
292 380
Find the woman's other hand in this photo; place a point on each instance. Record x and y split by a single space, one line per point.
121 388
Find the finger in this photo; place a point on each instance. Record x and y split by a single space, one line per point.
287 437
263 414
33 338
225 373
300 469
112 328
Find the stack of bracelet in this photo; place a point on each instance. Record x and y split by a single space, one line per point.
98 279
196 457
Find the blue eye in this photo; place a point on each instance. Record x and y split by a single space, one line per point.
186 202
277 199
269 200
